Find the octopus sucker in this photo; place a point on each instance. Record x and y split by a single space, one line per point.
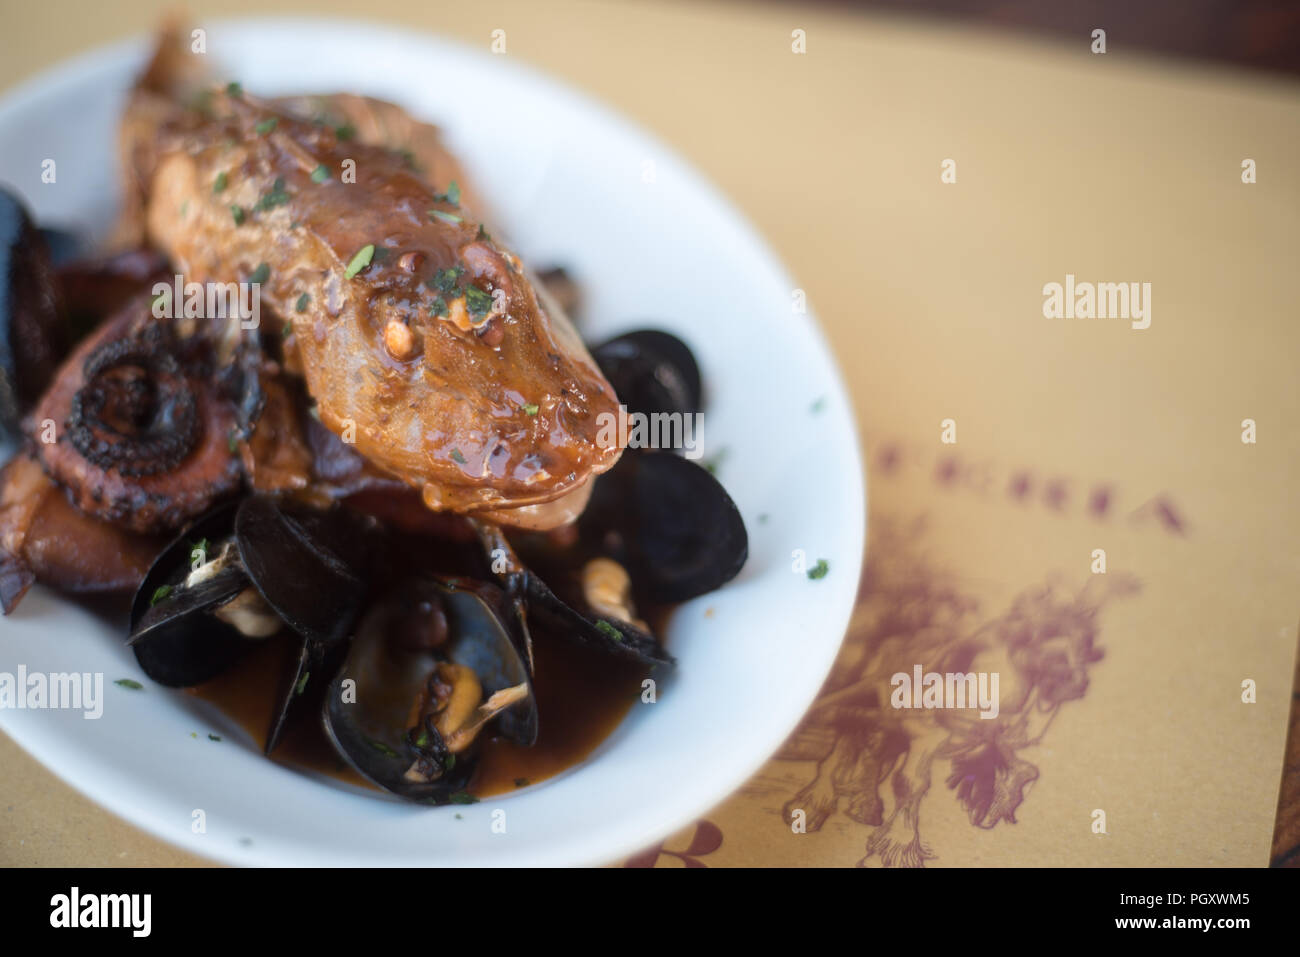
142 432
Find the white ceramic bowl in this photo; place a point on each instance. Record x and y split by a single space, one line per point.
567 179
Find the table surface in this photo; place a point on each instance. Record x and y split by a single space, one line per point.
696 75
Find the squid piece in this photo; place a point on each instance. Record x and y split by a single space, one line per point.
421 338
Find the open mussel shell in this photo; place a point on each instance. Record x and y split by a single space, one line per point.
174 635
670 523
313 661
651 371
608 635
295 567
532 599
307 565
372 707
309 568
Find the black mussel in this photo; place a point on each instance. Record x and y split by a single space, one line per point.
670 523
31 340
651 372
621 635
65 247
600 617
307 564
312 659
241 574
432 666
310 569
177 636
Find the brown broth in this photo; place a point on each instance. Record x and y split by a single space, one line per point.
581 698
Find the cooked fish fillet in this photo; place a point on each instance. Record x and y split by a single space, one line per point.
420 336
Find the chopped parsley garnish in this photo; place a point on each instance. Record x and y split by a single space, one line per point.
446 279
483 234
261 274
232 441
818 405
238 213
219 183
213 737
609 631
450 218
530 409
320 174
457 457
422 739
301 686
449 763
160 594
451 196
463 797
819 570
345 132
381 748
265 126
438 307
277 195
128 683
360 261
234 89
287 331
201 546
477 302
301 304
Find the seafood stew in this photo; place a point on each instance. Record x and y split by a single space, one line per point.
396 475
